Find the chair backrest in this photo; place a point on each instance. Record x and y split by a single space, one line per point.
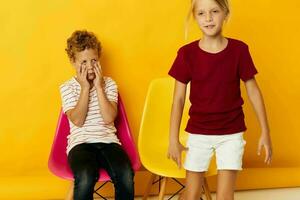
57 162
157 111
153 138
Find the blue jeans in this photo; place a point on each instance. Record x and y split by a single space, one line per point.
86 159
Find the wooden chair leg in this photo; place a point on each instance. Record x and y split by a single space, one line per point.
206 190
163 188
70 192
148 187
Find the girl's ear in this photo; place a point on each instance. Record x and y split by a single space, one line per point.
227 17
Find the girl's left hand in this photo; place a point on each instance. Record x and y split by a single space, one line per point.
265 141
98 81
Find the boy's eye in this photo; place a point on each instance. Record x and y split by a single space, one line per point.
200 13
215 11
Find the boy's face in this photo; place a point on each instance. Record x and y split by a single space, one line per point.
86 58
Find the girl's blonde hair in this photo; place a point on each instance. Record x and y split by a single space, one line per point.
224 4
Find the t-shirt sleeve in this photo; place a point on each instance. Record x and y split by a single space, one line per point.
111 90
180 70
68 98
247 68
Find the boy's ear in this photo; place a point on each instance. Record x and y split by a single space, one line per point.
73 63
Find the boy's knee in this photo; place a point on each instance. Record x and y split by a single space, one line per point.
124 179
85 181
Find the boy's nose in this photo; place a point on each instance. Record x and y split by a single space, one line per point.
90 67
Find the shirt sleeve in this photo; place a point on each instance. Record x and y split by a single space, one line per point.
180 70
111 90
247 68
68 98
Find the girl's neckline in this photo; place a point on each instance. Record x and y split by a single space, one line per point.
216 53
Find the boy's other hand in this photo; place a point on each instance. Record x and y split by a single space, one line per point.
82 76
98 81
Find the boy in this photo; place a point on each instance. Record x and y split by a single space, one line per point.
90 102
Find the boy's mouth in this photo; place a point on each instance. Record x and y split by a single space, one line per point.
90 76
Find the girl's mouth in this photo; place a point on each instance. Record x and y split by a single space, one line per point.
210 26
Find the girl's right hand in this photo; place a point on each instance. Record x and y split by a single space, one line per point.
174 152
82 76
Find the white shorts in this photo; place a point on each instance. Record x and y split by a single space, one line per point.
229 151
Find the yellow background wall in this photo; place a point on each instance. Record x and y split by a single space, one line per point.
140 40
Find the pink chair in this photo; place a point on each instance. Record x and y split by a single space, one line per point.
58 163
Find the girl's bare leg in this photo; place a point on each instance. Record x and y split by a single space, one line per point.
226 184
194 182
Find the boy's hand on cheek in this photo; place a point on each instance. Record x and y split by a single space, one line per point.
98 81
82 77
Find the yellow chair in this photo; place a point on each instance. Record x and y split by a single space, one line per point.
154 137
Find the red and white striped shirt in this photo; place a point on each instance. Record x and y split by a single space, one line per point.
94 129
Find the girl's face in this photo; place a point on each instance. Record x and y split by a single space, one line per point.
87 58
209 16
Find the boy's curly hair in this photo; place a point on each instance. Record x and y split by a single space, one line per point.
81 40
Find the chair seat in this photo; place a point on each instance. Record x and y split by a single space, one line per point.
58 163
156 161
65 172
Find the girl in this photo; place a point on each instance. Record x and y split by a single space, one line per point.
214 66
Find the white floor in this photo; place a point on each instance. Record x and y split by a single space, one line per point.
270 194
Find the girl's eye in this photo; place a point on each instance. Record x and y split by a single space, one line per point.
215 11
200 13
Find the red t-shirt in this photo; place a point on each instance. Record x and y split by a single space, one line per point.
215 96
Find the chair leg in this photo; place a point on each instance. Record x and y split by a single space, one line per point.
70 192
162 189
101 186
148 187
206 190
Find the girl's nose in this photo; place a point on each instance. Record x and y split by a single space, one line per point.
208 17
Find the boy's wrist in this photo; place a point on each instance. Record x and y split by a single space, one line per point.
99 90
100 84
99 87
85 88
